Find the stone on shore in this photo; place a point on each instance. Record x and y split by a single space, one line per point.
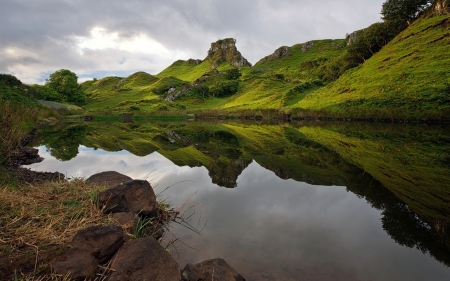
214 270
102 242
109 178
80 265
136 196
144 259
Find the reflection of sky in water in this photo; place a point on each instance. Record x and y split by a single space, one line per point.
268 228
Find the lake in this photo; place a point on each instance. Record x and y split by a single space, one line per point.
285 201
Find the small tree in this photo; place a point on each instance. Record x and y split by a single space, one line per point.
232 74
403 10
65 82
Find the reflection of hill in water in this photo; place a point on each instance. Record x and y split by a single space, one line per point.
412 163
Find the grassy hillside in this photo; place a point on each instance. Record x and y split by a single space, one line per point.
406 78
409 77
276 82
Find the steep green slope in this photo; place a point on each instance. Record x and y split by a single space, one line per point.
406 78
189 70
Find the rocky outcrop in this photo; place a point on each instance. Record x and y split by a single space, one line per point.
194 62
306 46
144 259
214 270
352 37
173 94
278 54
108 178
225 51
136 196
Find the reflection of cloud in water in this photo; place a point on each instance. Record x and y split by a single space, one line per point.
266 227
274 229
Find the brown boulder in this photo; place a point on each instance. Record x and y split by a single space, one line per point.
110 179
144 259
214 270
136 196
79 264
102 242
127 221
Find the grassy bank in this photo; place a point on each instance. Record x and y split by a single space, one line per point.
38 221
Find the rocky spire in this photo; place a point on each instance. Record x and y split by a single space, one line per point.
225 51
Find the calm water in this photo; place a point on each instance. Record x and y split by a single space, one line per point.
277 205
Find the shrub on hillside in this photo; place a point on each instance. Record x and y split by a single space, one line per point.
199 91
165 84
45 93
232 74
226 88
10 80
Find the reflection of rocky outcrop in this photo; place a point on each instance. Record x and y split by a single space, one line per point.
226 174
225 51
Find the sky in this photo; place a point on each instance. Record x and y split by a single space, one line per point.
103 38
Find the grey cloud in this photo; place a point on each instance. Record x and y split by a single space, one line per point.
47 28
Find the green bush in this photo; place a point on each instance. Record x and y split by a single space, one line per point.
45 93
10 80
199 91
165 84
134 108
226 88
279 76
232 74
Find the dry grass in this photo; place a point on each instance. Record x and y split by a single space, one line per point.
38 222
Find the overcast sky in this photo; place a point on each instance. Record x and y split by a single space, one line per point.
99 38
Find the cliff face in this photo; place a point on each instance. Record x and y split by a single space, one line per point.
225 51
350 38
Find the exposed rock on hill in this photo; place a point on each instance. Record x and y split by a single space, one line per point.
350 38
225 51
194 62
307 46
278 54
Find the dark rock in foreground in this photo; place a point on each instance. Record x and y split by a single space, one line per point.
109 178
144 259
80 264
90 247
214 270
26 156
136 196
102 242
28 176
127 221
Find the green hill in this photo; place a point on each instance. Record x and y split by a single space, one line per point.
409 77
277 81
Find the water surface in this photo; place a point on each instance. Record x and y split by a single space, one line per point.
284 202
